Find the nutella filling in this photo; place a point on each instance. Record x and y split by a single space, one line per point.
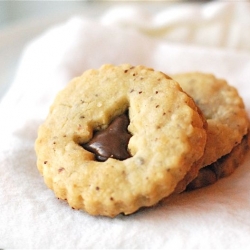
111 142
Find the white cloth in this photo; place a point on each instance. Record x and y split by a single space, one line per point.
31 217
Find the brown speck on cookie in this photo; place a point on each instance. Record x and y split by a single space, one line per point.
60 170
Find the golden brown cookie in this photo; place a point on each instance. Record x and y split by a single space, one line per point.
227 123
162 128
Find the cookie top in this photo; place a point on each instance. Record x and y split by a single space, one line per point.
222 107
167 138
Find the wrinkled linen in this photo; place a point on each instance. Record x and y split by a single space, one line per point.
214 217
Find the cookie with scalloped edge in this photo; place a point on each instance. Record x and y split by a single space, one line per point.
168 138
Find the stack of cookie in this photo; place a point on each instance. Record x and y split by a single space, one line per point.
228 126
122 137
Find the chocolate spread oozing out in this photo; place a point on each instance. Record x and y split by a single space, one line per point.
111 142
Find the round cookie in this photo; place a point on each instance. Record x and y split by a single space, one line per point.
167 137
226 118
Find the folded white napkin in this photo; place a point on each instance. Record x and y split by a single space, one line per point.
31 217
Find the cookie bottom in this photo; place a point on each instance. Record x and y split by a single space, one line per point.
223 167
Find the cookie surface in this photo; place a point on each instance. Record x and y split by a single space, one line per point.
227 124
167 138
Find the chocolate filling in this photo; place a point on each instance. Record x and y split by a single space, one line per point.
111 142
